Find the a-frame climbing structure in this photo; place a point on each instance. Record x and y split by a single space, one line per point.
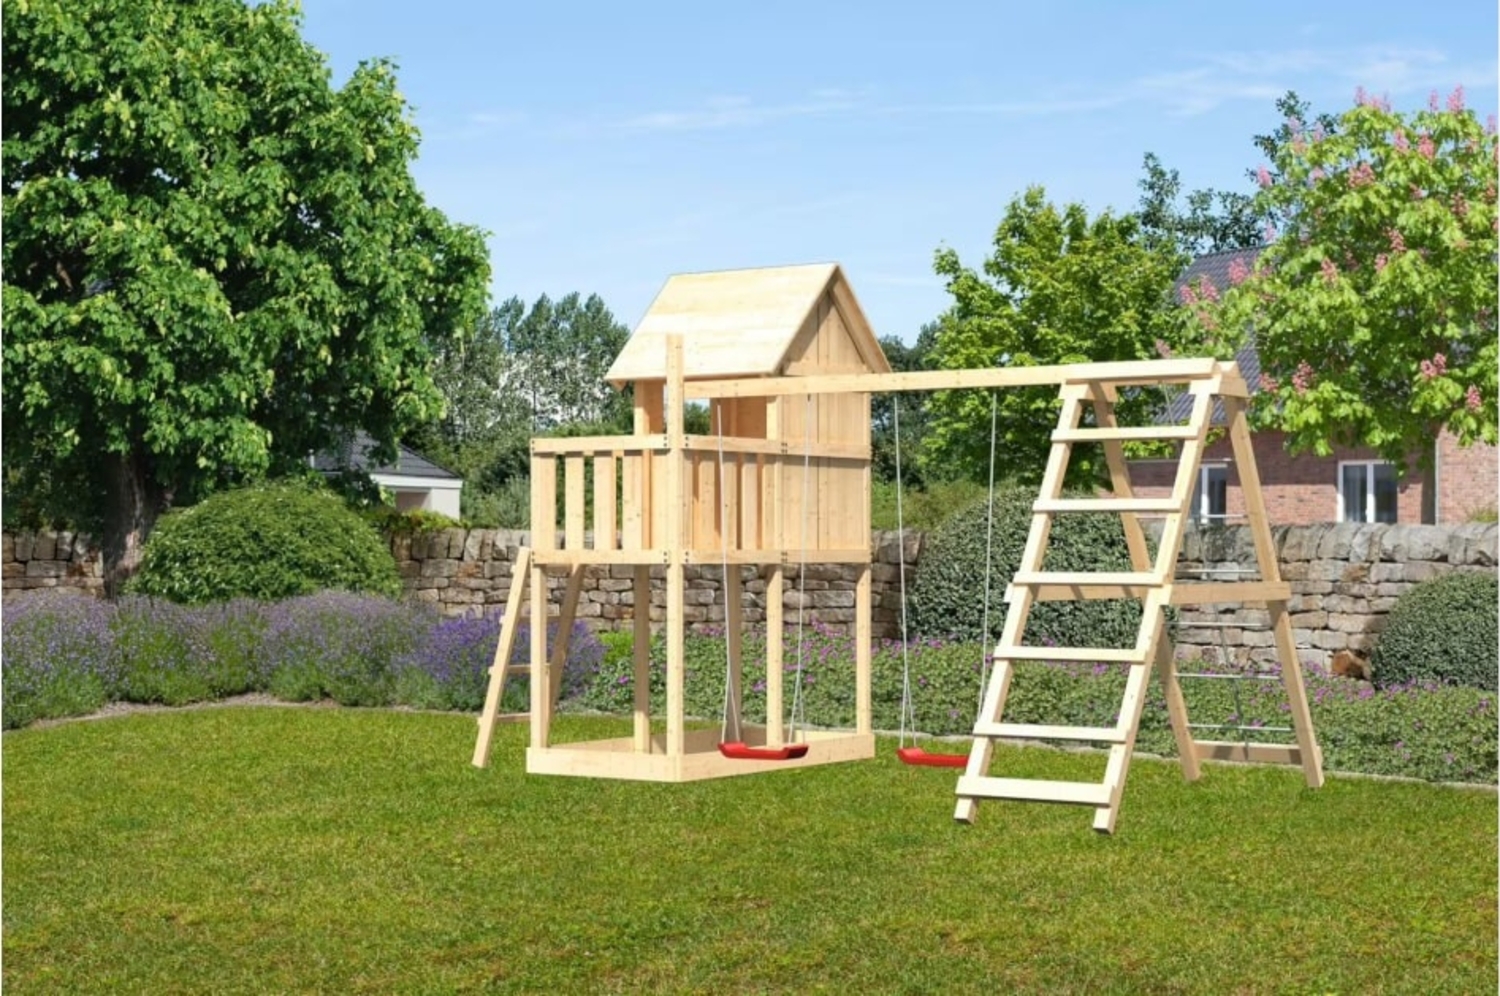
1151 581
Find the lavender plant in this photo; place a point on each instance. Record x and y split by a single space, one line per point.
55 657
341 646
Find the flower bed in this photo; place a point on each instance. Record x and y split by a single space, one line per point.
69 655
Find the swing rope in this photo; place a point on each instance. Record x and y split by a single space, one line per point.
737 749
797 703
914 754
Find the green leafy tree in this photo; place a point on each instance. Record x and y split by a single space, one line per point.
214 261
558 353
1374 310
1201 221
1058 288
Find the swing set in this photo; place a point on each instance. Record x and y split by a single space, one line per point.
781 485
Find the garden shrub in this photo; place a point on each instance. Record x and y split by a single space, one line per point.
1445 630
267 542
57 657
947 594
448 668
341 646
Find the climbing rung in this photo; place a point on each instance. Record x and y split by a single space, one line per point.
1084 434
1038 731
1077 580
1033 790
1102 655
514 668
1162 505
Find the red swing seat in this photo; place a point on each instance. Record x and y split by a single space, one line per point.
923 758
739 751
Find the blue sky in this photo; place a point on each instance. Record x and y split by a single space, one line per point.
607 146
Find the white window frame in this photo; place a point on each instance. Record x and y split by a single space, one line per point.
1201 508
1369 510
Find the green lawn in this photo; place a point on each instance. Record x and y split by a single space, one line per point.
250 850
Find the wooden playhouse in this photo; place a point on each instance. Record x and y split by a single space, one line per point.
777 483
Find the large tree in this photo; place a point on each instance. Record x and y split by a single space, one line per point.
214 261
1200 221
1060 287
1374 312
558 353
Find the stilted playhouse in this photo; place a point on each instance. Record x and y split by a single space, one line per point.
787 363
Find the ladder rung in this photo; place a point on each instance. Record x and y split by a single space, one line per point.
1234 677
1163 505
1232 726
1090 433
1037 731
1033 790
1102 655
1080 580
512 669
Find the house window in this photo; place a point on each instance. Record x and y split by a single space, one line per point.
1367 491
1211 500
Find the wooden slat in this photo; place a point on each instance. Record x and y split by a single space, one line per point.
1075 593
1078 579
1102 655
1124 372
1208 592
543 503
593 445
1032 790
792 557
1165 505
1215 750
820 449
558 557
1123 432
573 503
1038 731
605 502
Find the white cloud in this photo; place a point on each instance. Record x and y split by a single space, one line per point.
741 111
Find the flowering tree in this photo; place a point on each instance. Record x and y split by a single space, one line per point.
1373 310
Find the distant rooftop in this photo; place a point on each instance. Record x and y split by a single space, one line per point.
355 455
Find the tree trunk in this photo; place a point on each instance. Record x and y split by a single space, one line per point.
134 502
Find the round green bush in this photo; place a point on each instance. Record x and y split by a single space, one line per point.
947 594
1445 630
269 542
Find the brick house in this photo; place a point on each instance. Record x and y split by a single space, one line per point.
1351 485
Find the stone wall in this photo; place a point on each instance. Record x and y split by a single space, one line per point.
1344 579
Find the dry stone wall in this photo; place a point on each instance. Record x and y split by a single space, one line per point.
1344 579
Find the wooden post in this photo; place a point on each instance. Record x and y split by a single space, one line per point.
642 660
1270 571
500 665
543 538
676 498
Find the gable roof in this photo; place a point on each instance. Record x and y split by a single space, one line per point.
1214 267
355 455
739 323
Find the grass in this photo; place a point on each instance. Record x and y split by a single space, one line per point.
250 850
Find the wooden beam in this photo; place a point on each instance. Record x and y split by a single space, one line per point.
1123 372
504 646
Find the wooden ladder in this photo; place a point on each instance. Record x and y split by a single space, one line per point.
1153 583
501 667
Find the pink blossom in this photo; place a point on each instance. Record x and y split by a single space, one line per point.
1380 262
1268 383
1489 125
1439 363
1398 241
1359 96
1302 379
1269 232
1298 145
1427 371
1317 173
1460 206
1426 147
1163 350
1206 319
1472 400
1208 291
1383 103
1263 177
1400 141
1362 175
1456 100
1330 272
1416 192
1188 295
1432 101
1238 272
1318 133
